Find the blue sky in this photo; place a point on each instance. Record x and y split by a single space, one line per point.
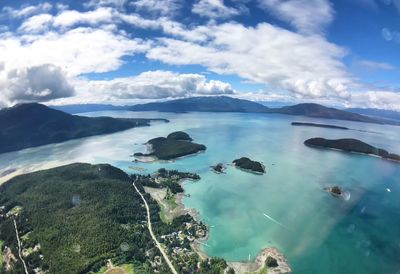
341 53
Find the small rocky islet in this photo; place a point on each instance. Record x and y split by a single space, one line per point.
335 191
219 168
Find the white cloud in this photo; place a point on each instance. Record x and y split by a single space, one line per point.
99 3
215 9
375 65
308 66
152 85
375 99
36 23
37 83
71 17
165 7
307 16
77 51
27 10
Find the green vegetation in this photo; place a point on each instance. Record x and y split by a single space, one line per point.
172 147
171 200
80 216
271 262
1 252
75 212
249 165
179 135
30 125
352 145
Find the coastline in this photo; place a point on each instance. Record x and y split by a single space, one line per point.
249 267
354 152
146 158
251 171
29 169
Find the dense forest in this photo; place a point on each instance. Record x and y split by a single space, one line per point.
30 125
80 216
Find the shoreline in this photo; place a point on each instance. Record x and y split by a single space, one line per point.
240 267
251 171
146 158
357 153
30 168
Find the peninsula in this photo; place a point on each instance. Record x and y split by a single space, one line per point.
31 125
85 204
176 144
246 164
352 145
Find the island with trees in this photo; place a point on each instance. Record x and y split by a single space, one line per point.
318 125
175 145
352 145
249 165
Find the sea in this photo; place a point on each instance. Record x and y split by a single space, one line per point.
287 207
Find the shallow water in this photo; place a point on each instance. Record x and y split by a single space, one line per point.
317 232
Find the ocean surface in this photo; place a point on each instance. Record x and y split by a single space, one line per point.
317 232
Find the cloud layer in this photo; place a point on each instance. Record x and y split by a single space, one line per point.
71 46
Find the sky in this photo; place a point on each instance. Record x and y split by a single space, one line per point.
343 53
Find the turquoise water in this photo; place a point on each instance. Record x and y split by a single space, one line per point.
317 232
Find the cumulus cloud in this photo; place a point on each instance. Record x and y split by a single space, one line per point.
36 83
77 51
36 23
307 16
213 9
299 63
164 8
100 3
308 66
27 10
376 99
153 85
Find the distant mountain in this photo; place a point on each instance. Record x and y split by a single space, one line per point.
228 104
374 112
81 108
30 125
203 104
319 111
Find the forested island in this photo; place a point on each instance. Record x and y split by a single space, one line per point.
249 165
30 125
80 218
318 125
176 144
352 145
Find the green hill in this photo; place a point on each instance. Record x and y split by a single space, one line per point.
30 125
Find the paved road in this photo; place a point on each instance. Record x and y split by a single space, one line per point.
152 234
19 247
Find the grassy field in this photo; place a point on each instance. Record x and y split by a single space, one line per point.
171 201
121 269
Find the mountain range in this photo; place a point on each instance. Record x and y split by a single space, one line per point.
374 112
229 104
